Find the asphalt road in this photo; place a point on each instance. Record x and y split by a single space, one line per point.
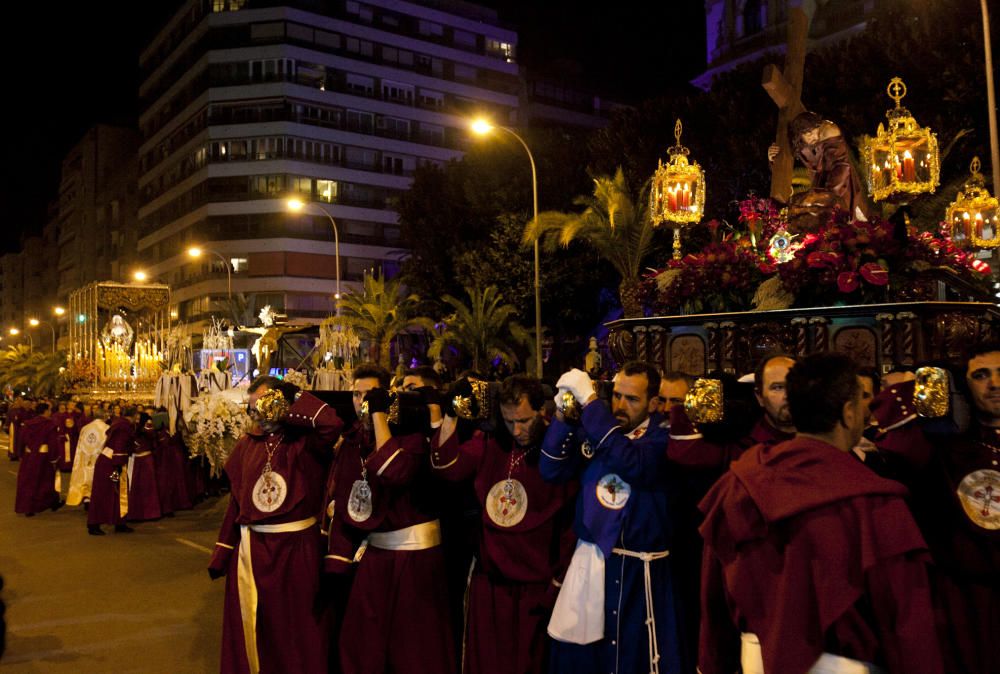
139 602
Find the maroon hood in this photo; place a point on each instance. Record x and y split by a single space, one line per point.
794 476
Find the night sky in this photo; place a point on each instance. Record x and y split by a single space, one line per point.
80 67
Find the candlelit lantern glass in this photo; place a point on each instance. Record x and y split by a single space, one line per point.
677 195
902 161
972 217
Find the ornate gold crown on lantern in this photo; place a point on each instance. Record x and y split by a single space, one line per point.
901 161
703 403
972 217
677 193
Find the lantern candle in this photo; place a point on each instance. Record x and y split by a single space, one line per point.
983 232
685 200
672 199
909 172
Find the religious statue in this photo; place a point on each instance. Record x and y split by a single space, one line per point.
820 146
117 334
592 361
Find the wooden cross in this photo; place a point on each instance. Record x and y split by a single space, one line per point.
785 89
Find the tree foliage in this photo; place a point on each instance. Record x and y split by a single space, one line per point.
42 373
614 223
379 311
484 329
463 224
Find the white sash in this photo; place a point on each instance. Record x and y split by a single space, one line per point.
578 615
753 662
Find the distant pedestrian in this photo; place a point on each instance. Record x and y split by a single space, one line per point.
36 476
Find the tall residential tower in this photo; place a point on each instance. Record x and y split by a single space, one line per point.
245 104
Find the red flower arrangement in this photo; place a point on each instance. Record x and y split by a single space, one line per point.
722 277
844 262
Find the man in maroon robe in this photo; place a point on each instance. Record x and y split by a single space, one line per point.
143 491
170 460
109 492
36 476
269 544
808 553
955 485
526 538
688 447
21 411
383 519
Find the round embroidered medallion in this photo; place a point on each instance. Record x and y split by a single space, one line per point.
613 492
979 493
507 503
269 492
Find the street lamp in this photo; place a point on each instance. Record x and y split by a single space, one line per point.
31 344
991 100
196 252
481 127
34 322
296 206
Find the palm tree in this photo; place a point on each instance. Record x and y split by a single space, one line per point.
41 372
484 329
614 223
379 311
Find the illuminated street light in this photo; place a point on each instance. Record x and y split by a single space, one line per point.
197 251
482 127
297 206
59 311
31 344
34 322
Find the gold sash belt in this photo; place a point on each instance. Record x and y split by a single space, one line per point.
142 454
248 588
418 537
646 558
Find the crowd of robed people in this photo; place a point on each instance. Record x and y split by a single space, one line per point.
500 528
115 459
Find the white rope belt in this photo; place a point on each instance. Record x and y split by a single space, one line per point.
647 557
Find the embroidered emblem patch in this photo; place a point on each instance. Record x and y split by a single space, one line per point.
269 492
979 493
613 492
359 503
507 503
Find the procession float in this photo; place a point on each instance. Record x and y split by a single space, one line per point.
824 268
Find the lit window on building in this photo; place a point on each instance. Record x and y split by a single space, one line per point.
326 190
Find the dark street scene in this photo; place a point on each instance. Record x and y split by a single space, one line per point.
501 337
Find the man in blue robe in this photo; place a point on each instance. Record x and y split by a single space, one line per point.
617 610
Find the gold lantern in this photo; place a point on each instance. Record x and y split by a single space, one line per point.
677 195
902 161
972 217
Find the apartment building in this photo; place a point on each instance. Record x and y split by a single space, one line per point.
243 105
96 208
739 31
